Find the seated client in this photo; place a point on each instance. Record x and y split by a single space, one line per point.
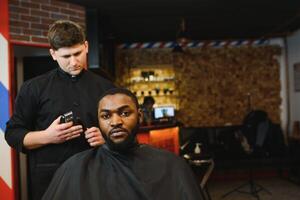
122 168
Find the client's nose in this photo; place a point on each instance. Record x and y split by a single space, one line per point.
116 120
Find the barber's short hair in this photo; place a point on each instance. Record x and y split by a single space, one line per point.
65 33
120 91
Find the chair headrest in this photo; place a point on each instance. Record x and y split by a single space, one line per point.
254 117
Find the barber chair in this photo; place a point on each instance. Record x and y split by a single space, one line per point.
193 148
203 166
166 138
252 136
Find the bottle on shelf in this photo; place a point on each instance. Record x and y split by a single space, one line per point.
197 149
157 81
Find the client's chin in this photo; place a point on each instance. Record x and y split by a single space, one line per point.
118 138
122 143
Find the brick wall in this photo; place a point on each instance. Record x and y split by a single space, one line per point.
30 19
216 86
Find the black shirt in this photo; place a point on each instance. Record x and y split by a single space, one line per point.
39 102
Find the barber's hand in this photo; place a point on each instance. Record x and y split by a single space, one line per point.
94 137
58 133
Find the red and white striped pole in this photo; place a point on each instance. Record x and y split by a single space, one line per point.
6 154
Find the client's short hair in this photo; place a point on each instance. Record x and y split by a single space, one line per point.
120 91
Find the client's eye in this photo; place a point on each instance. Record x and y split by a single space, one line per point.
125 113
105 116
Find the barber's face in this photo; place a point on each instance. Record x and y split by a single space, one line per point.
71 59
118 117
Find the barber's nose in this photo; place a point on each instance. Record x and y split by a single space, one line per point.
73 60
116 120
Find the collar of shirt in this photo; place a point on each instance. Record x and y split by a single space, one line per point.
73 78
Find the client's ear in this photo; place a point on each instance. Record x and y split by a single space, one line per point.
140 115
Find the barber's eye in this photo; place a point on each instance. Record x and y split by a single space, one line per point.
77 54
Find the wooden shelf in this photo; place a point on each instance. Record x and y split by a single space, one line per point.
151 82
161 96
160 77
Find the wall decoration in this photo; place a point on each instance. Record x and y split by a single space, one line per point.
215 86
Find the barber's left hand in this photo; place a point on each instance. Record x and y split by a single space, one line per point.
94 137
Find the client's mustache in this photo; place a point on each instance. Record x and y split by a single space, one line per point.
118 129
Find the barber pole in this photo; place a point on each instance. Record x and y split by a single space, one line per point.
6 155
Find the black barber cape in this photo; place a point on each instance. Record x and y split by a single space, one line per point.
144 173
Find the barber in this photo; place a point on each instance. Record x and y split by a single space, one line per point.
35 127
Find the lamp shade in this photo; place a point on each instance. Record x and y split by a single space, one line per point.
182 36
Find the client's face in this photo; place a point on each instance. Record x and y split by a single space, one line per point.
118 120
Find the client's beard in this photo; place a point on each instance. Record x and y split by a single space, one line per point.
124 146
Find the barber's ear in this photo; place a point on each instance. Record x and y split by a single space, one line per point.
140 115
52 53
86 44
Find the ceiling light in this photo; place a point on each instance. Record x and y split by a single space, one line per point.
182 37
177 48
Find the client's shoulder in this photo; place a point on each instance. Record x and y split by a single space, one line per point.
81 157
158 153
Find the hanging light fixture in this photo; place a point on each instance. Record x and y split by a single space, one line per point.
182 37
177 49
